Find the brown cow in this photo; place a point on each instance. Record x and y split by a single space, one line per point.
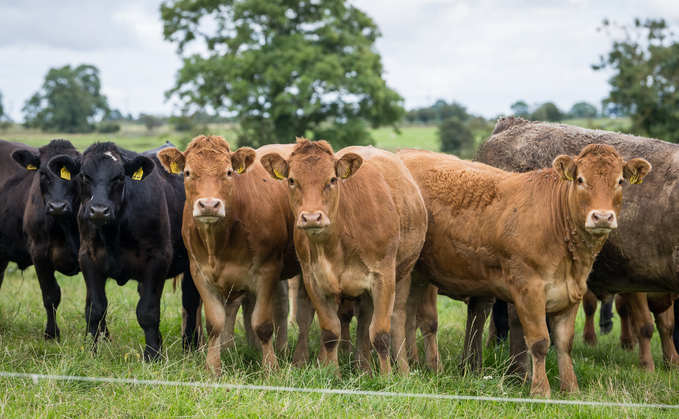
634 309
360 226
530 238
237 227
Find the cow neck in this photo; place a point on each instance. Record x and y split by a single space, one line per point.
209 232
582 245
325 243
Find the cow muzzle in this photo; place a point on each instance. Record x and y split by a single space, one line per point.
57 208
209 210
312 222
99 214
601 222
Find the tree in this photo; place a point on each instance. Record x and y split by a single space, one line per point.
520 109
446 111
150 121
455 137
69 101
286 68
645 83
583 110
547 112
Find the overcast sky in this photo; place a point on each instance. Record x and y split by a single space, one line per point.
484 54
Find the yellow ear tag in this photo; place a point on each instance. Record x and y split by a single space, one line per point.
278 174
31 167
174 168
240 170
635 179
567 177
65 174
138 174
346 174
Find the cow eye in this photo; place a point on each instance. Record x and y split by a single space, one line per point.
291 182
332 182
580 181
229 172
620 182
186 173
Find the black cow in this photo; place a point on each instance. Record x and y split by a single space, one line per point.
130 221
38 225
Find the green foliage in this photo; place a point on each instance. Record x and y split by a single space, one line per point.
2 108
68 102
645 61
455 137
583 110
548 112
150 121
108 127
520 109
285 68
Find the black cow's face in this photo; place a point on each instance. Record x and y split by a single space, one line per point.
59 190
103 185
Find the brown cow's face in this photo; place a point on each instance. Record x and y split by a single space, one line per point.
597 176
209 169
314 177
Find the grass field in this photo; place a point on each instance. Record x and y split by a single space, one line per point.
606 373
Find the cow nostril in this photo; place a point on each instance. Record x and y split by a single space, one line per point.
216 205
595 216
318 219
201 205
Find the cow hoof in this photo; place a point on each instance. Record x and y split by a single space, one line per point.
151 355
606 327
590 339
53 335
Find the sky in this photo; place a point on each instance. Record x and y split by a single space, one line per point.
483 54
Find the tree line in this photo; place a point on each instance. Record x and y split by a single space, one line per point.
283 69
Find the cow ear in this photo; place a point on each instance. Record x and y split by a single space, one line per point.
242 159
635 170
347 165
275 165
64 166
172 160
26 159
565 167
139 167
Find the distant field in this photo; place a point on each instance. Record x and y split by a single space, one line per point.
419 137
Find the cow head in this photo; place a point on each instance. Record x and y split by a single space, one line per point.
104 170
314 176
59 189
209 168
596 178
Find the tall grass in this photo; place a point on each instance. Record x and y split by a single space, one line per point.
605 373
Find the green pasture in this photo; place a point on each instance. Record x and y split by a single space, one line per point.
605 373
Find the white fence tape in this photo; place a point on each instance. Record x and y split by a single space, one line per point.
133 381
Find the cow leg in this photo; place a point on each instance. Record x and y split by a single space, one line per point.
676 325
530 302
280 318
190 306
606 316
248 304
642 324
626 333
589 303
418 287
364 314
345 312
51 293
293 288
398 325
3 267
95 301
518 351
263 313
664 321
384 295
478 309
215 319
304 318
230 313
428 322
326 309
148 311
563 332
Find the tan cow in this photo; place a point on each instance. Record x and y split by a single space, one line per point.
237 227
360 225
530 238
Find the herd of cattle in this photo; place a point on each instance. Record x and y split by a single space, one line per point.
372 233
